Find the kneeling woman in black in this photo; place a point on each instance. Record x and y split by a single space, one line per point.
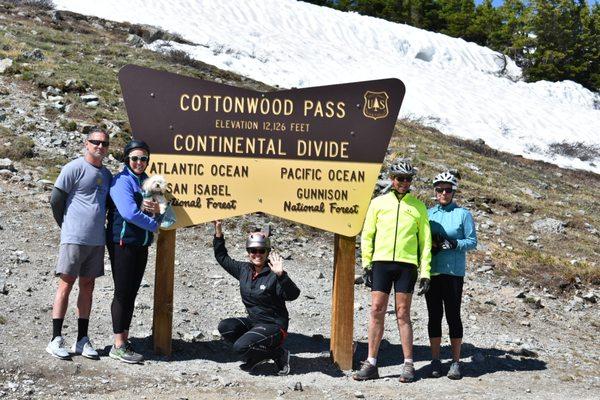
264 287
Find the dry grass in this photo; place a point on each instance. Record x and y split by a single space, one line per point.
15 147
494 184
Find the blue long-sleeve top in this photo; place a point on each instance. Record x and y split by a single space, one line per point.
127 223
452 222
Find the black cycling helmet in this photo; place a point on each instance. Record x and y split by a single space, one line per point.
135 144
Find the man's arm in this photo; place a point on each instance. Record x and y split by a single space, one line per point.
58 202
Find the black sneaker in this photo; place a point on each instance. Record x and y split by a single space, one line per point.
367 371
283 363
436 368
251 364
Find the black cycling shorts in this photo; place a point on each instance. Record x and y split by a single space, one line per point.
402 275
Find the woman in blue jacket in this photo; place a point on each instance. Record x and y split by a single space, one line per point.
131 222
453 233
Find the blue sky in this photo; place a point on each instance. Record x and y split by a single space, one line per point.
498 2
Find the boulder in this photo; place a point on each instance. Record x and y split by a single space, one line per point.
146 32
532 194
35 54
6 163
485 268
3 289
135 40
56 16
86 98
5 64
590 297
549 226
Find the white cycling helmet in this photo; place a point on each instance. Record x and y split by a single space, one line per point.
446 177
401 167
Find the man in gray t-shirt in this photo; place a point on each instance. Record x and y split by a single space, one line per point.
78 203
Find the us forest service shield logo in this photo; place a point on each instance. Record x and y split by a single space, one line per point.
376 105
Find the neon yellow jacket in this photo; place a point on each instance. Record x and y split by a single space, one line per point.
397 231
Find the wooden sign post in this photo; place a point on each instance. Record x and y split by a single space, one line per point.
162 327
309 155
342 304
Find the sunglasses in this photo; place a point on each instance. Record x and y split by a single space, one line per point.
98 142
403 178
136 158
444 190
257 251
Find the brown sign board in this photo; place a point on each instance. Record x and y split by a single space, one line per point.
309 155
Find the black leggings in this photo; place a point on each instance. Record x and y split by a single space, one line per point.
445 293
253 342
128 266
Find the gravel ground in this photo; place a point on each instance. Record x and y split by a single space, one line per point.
514 347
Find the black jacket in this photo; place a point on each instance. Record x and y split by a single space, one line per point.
265 296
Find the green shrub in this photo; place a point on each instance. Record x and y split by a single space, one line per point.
70 126
27 76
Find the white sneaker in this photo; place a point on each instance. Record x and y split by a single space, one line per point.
56 347
85 348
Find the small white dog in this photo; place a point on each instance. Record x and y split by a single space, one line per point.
155 187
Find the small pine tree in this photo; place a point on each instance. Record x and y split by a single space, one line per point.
457 16
514 38
560 41
591 39
485 25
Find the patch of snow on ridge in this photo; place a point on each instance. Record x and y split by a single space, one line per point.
452 83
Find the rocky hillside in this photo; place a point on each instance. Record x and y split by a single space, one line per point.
59 80
533 286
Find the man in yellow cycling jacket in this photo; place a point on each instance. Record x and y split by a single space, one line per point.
396 247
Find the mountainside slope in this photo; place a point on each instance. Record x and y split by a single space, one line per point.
531 297
79 56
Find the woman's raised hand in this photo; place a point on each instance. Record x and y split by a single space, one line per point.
276 263
218 227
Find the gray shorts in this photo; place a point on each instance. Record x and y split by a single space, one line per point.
80 260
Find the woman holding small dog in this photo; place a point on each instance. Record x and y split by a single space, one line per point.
264 287
131 222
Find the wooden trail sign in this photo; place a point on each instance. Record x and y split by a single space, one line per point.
308 155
